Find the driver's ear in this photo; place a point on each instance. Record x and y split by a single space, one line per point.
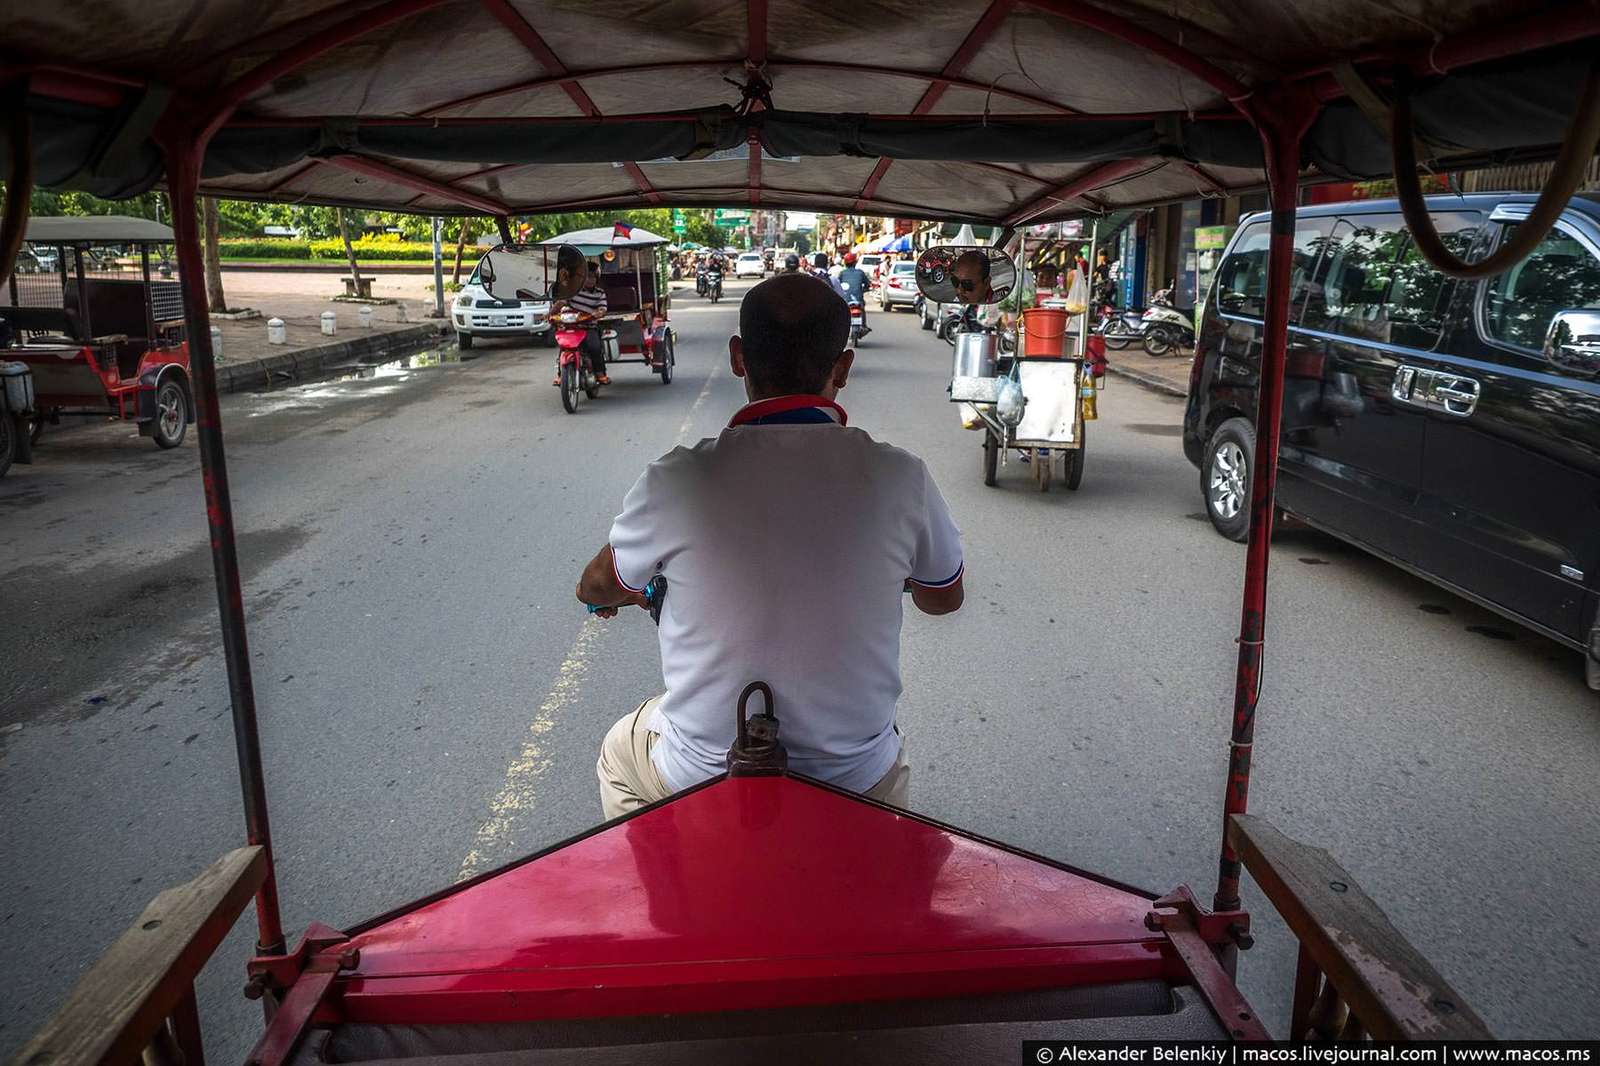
841 368
736 356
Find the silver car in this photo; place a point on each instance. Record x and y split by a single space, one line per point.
897 286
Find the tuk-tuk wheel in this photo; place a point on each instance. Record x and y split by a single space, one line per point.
172 414
991 458
667 361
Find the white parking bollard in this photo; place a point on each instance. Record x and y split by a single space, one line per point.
216 345
330 323
401 308
276 334
366 317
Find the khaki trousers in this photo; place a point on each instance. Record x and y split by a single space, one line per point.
628 779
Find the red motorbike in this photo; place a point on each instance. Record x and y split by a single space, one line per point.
574 372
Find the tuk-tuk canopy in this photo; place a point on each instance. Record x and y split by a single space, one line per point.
597 239
96 229
992 111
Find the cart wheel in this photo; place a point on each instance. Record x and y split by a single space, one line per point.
1072 476
172 414
669 361
991 458
569 388
1041 469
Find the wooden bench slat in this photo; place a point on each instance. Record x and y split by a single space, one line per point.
1386 982
120 1003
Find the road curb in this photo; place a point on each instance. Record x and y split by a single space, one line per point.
302 363
1149 381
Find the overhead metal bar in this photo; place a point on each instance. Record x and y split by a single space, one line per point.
372 168
535 44
1087 182
980 33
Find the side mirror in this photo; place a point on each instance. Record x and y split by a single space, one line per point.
965 274
1573 341
532 271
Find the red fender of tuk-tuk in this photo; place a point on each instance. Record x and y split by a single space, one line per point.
747 892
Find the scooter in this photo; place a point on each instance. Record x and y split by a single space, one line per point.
1119 328
574 372
714 284
700 279
858 321
1164 326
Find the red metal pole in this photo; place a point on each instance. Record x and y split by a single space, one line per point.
1282 118
183 177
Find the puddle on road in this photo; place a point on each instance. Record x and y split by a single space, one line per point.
332 383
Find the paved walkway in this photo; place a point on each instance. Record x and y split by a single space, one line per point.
299 299
1168 374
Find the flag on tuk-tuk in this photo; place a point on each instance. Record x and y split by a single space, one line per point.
621 231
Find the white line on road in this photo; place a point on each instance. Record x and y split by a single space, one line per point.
516 795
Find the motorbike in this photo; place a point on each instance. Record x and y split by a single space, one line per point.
713 290
571 329
1119 328
857 321
700 280
1164 327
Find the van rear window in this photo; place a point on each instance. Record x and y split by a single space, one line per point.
1561 274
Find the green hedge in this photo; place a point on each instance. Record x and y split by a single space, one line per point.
367 249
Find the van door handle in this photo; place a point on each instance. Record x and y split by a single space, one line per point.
1454 395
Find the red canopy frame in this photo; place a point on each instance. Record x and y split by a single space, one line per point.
1282 110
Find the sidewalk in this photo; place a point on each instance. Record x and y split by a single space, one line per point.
249 361
1168 374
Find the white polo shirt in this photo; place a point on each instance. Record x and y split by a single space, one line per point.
786 543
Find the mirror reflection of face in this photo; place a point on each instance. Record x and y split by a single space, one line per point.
970 276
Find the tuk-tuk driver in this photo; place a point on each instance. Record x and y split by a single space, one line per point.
970 276
589 300
787 542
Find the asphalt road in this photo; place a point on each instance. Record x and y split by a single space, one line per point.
431 695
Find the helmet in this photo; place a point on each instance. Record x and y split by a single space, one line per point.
849 259
820 261
791 262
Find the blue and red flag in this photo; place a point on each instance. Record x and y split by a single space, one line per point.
621 231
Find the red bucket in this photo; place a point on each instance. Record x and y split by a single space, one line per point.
1044 333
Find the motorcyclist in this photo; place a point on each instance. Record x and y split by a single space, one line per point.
590 302
791 264
819 270
855 283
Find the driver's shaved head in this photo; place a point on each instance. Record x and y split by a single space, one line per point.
793 329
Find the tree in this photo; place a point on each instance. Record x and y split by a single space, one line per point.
210 225
469 228
350 252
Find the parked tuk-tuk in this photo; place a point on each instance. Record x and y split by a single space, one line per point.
95 310
761 915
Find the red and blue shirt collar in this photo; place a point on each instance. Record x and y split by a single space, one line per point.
790 411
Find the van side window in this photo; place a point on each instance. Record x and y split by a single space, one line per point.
1419 297
1518 305
1241 284
1357 273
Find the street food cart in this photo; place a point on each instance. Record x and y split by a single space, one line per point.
1033 402
94 308
763 915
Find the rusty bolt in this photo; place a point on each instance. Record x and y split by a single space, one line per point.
1241 936
257 986
350 958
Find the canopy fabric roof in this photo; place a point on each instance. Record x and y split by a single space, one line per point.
993 111
605 237
75 228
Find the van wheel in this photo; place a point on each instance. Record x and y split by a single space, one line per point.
172 414
463 341
1225 477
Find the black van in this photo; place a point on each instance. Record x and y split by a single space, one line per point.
1450 427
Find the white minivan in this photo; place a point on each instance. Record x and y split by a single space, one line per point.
475 314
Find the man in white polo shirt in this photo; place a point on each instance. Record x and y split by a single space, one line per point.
787 543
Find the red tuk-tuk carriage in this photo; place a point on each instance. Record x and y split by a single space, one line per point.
762 916
95 309
637 322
